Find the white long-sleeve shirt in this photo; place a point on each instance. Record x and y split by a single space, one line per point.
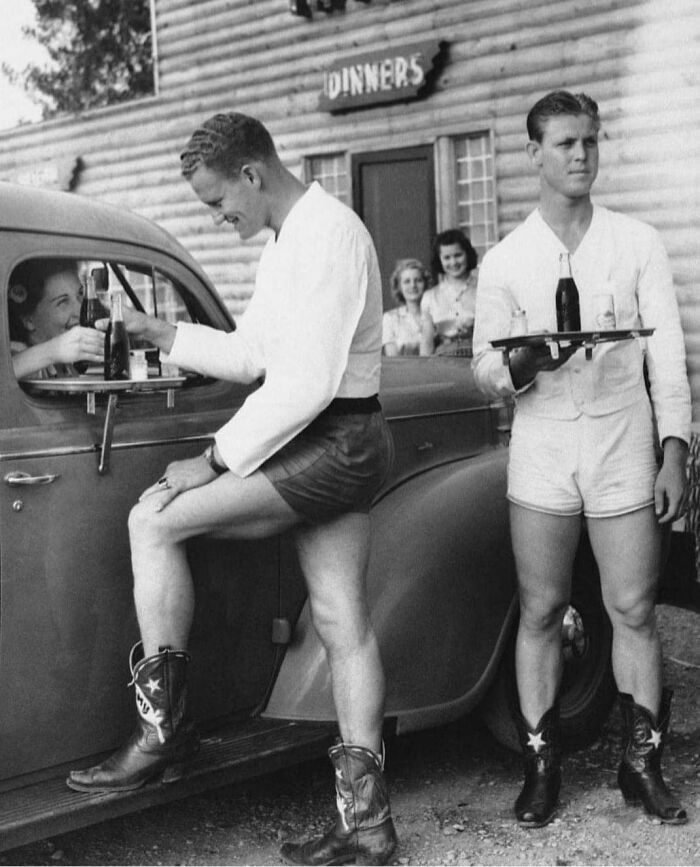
620 256
312 329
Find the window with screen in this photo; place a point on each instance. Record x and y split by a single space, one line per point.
475 189
330 170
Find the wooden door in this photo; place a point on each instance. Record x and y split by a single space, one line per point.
394 193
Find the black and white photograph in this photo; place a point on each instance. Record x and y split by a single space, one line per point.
349 443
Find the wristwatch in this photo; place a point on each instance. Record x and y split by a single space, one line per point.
209 457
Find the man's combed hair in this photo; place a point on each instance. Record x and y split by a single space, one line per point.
559 102
226 142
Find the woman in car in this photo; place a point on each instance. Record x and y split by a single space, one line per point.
44 301
406 330
451 303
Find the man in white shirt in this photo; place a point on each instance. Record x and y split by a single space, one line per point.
308 449
583 443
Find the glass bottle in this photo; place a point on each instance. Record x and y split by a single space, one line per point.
568 310
92 308
116 365
518 323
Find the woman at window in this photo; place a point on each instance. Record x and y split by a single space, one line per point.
406 330
451 303
44 301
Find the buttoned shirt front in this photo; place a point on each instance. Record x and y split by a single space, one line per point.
451 307
401 327
620 256
313 330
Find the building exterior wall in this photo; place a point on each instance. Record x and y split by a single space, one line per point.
637 58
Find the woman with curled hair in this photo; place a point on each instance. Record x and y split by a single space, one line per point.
44 301
452 302
406 330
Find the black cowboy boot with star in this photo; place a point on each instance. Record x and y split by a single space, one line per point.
639 775
164 738
364 831
541 749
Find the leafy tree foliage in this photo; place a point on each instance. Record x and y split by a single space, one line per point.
100 53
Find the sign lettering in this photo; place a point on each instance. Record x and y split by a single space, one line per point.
376 77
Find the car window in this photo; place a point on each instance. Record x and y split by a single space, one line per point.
147 289
45 297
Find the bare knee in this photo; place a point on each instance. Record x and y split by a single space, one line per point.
634 612
541 616
145 524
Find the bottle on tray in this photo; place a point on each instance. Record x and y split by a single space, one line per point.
568 310
116 364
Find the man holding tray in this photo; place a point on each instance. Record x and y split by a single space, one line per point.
308 449
587 441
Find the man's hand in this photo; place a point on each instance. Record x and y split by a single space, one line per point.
152 329
179 476
671 483
527 362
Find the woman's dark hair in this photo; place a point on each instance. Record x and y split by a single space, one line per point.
444 239
557 103
26 289
225 143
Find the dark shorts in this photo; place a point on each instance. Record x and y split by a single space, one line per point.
335 465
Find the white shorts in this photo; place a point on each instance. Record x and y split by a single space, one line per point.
599 465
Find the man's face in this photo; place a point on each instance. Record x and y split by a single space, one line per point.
567 156
237 201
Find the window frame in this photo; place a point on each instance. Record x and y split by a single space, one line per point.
447 185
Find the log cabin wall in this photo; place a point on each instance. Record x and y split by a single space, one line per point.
637 58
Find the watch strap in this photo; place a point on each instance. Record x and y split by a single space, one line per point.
210 458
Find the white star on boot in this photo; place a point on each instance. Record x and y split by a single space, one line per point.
536 741
655 738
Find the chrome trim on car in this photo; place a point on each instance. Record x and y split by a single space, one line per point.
83 450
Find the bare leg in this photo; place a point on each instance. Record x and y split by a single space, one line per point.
544 547
627 549
229 506
333 558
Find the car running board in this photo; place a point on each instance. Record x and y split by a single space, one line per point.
237 752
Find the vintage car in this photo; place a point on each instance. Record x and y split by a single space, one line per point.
76 453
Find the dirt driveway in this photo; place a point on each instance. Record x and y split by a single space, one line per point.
452 792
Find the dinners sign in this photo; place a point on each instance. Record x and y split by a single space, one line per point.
378 76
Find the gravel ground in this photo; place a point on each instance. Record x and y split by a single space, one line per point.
452 792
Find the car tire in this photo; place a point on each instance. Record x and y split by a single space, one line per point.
588 688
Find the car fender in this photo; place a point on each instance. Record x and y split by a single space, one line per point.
441 586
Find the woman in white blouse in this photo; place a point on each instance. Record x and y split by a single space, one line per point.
406 330
452 302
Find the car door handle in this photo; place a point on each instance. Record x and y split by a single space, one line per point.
425 447
19 478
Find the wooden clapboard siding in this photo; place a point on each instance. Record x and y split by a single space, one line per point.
640 59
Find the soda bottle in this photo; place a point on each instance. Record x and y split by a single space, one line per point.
116 365
568 311
91 309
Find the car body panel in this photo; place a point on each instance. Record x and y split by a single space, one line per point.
428 601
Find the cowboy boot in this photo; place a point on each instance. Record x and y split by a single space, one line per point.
164 738
639 776
541 748
364 831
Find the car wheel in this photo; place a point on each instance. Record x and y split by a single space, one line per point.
588 688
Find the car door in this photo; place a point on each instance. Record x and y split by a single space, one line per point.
67 619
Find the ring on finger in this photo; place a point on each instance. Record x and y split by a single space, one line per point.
163 483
